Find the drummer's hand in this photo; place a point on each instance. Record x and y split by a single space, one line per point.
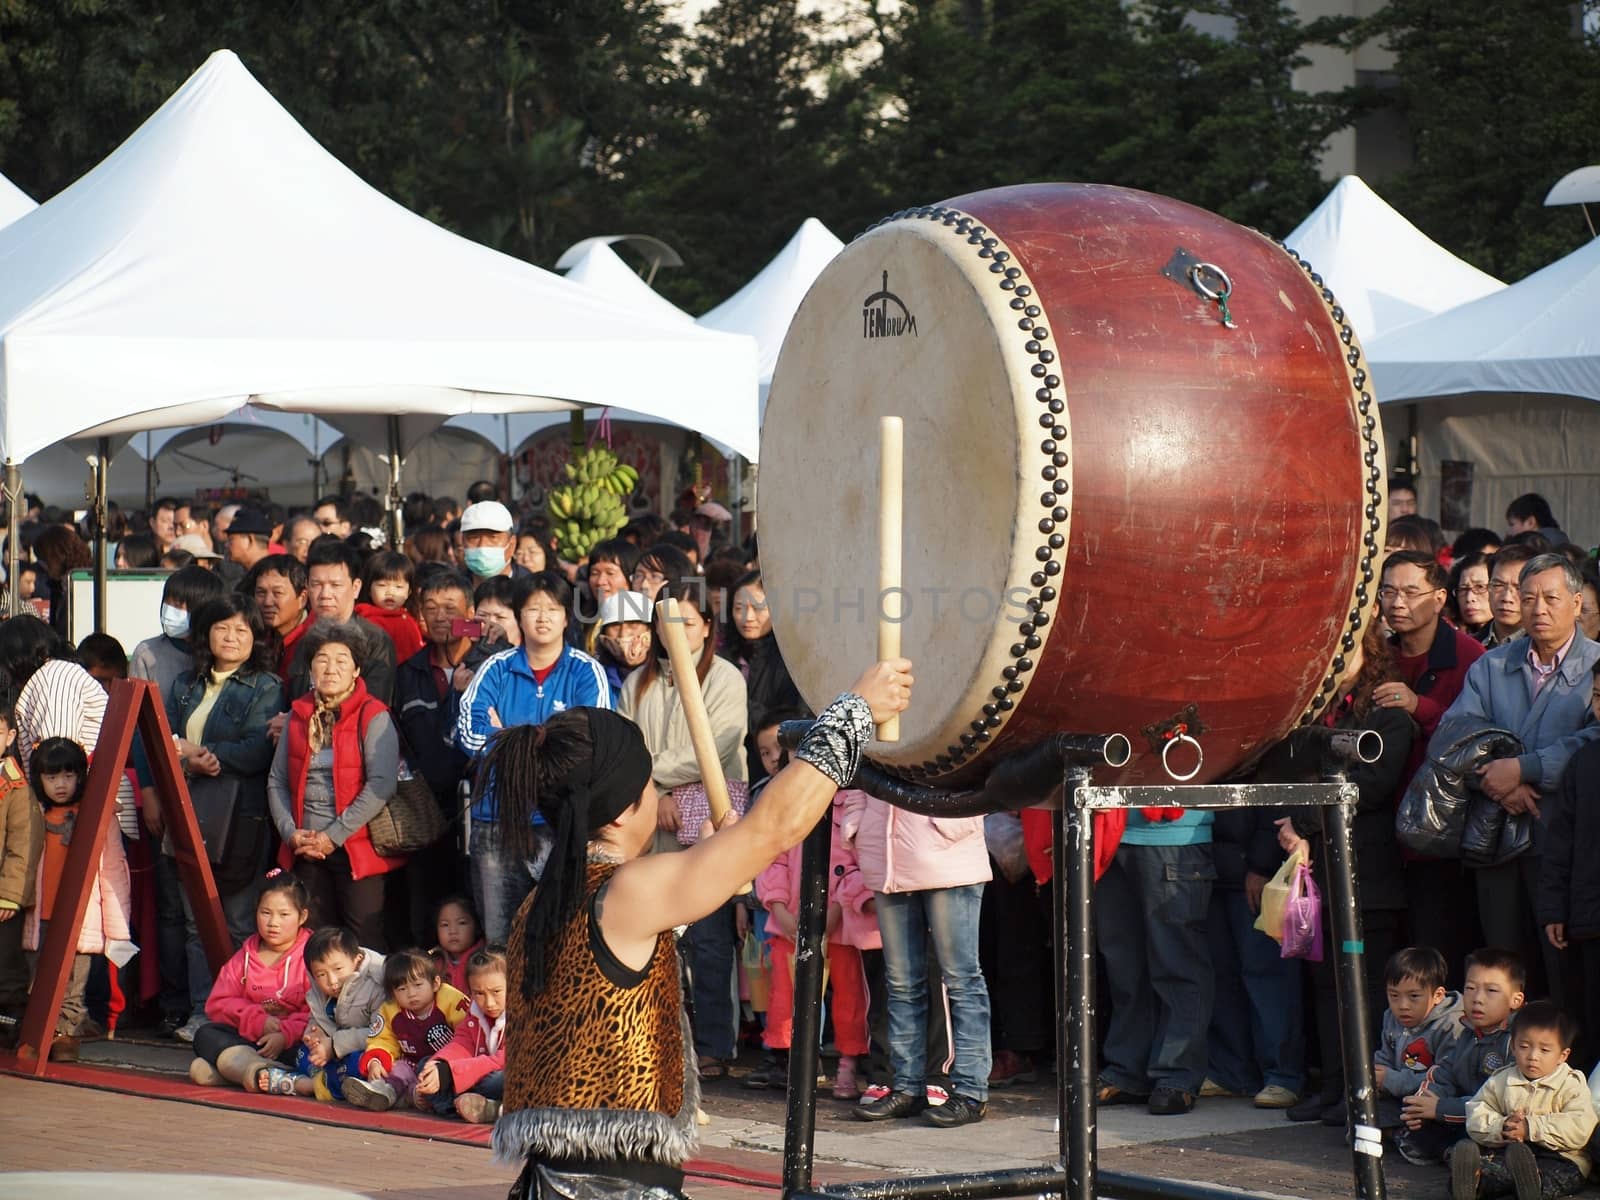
886 687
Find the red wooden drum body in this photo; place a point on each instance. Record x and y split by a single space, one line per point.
1122 514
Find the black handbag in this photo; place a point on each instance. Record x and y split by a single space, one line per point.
1433 814
231 829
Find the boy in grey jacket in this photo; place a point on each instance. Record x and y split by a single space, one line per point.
1420 1024
1435 1116
346 995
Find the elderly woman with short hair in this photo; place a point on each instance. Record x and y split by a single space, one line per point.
336 767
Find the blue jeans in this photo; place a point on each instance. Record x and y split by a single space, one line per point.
334 1072
708 948
239 910
1150 923
499 883
1257 1034
950 915
443 1102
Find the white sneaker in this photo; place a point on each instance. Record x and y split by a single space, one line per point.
373 1095
1276 1096
186 1031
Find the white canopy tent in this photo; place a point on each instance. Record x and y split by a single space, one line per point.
764 307
14 202
220 256
1503 383
1382 269
601 268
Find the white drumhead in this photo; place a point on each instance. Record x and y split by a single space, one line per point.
910 321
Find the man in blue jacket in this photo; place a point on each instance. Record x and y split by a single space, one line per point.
1539 688
524 685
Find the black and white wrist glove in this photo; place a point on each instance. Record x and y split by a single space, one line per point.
834 743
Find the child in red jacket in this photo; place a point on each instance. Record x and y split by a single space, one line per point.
456 926
385 594
851 928
468 1076
256 1013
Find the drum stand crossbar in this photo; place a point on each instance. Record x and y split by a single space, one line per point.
1075 1175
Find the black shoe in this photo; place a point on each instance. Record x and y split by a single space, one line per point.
893 1107
1524 1170
1170 1102
1311 1108
1335 1115
170 1024
1107 1094
1465 1167
771 1072
958 1110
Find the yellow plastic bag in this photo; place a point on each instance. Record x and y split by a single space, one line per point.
1275 895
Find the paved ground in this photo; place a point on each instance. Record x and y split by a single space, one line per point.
53 1127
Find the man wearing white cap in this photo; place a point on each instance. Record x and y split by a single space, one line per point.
487 539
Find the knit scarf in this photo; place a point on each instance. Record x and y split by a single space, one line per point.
325 713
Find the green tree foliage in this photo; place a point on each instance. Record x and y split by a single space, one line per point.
1502 98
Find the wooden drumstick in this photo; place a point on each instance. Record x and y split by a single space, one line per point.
890 523
687 681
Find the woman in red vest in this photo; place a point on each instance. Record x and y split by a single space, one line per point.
336 767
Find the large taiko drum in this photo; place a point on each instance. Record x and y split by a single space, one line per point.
1143 479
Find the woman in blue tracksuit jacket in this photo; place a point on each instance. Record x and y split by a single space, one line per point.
524 685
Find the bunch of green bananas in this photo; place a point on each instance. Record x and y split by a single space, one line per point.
592 505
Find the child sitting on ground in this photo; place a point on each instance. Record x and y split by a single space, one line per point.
1435 1117
1420 1024
1530 1124
417 1021
59 769
468 1076
344 1002
256 1012
385 592
456 927
851 927
21 843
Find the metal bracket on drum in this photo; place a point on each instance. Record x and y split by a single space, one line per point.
1075 1175
1207 280
1178 730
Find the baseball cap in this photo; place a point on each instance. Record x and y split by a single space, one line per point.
486 514
250 520
195 545
626 606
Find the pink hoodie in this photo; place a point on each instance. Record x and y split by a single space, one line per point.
478 1048
900 851
780 884
246 986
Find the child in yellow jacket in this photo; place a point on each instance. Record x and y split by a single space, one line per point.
417 1021
1529 1123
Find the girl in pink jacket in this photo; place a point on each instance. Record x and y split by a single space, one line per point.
851 928
927 875
257 1012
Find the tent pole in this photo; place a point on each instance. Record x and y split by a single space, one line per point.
396 517
102 538
736 494
149 478
316 460
14 501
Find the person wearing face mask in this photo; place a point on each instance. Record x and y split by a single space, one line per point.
625 637
523 685
650 698
162 659
487 541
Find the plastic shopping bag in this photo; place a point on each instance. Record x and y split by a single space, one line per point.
1302 918
1275 895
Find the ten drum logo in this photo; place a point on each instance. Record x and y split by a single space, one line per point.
883 314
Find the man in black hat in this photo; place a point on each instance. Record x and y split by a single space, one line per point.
249 538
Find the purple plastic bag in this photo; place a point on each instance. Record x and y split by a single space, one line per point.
1302 918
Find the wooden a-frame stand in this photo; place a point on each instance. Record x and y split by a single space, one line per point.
132 704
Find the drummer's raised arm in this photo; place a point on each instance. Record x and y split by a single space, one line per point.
660 891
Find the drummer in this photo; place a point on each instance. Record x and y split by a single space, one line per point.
601 1084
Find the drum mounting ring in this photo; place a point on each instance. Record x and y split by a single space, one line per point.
1181 737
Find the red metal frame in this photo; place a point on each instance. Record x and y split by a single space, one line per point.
133 704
